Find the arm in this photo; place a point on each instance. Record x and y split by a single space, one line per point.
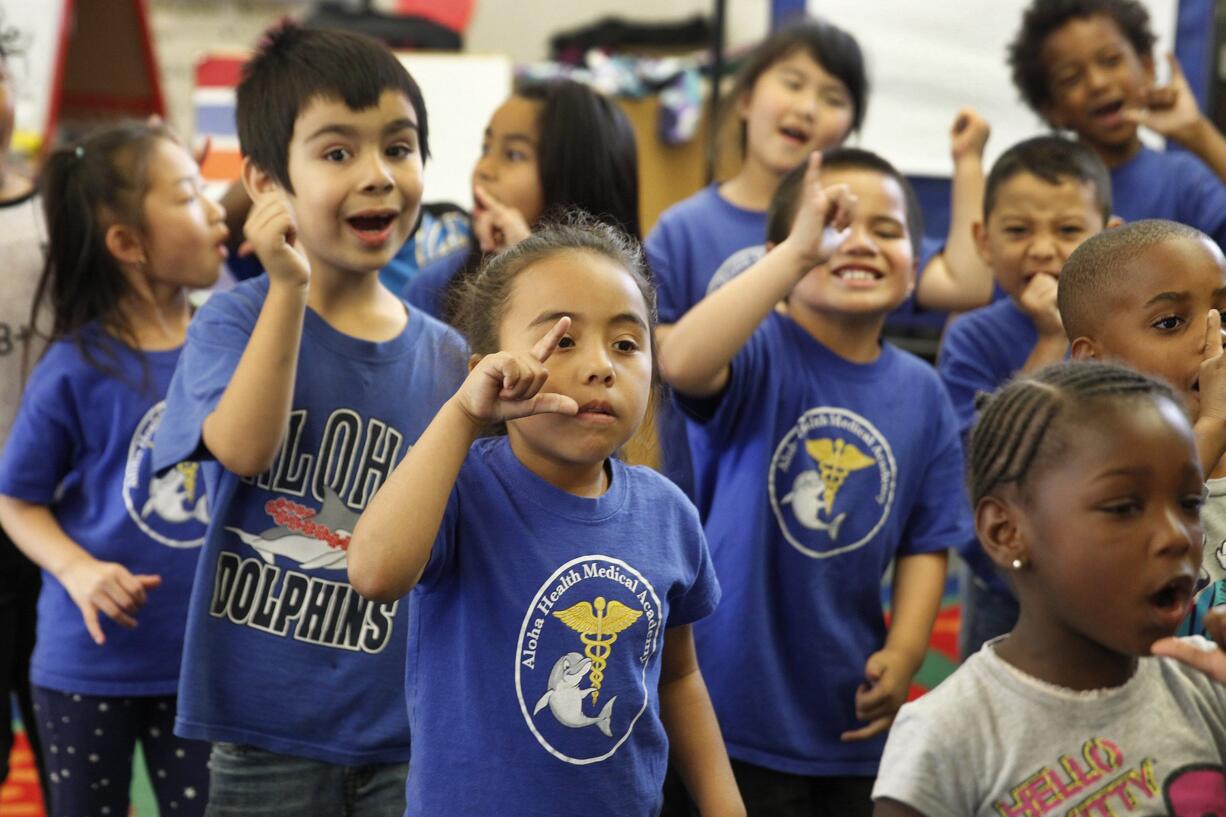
957 279
1171 111
885 807
701 345
697 747
244 431
1038 301
1210 428
395 535
93 585
919 581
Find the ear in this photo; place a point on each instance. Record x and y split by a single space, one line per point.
999 533
256 180
1113 222
1083 348
124 243
742 102
979 232
473 360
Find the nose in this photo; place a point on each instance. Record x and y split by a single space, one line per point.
859 240
483 171
1177 534
377 173
216 210
1042 247
598 366
1096 77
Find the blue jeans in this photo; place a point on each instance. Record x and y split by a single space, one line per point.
249 782
986 613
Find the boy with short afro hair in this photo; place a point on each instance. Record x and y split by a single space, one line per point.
299 391
1150 295
1088 66
1044 196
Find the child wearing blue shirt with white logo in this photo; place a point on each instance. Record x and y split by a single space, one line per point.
130 232
821 455
551 667
299 391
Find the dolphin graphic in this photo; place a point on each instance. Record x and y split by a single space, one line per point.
807 499
310 553
565 698
168 499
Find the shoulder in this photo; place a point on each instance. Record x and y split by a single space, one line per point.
906 370
649 484
242 303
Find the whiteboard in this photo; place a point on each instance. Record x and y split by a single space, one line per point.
926 60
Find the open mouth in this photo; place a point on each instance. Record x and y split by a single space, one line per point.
857 275
1109 113
795 134
1173 598
372 223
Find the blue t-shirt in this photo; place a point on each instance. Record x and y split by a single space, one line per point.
1173 185
428 289
281 652
812 473
436 237
82 444
982 350
538 627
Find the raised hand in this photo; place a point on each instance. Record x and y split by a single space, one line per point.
969 135
1196 653
1038 301
105 587
823 216
1212 382
507 385
881 695
496 225
273 234
1170 109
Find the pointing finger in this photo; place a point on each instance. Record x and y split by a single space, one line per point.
546 345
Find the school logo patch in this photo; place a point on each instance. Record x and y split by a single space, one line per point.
171 509
832 481
581 661
735 264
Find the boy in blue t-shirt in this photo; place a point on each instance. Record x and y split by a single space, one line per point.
300 391
1044 196
821 456
1088 66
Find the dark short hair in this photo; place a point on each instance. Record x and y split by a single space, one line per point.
1045 17
783 207
296 65
1053 159
1093 269
831 47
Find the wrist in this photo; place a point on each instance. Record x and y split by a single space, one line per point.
797 261
1195 137
463 419
70 563
971 160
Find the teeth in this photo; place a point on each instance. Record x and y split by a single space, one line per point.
856 275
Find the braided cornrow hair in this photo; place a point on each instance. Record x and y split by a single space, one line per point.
1015 421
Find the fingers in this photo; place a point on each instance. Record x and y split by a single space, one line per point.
521 378
875 728
842 206
546 345
1177 76
1213 335
813 176
551 403
201 153
1212 662
92 625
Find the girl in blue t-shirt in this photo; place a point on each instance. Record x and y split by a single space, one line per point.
550 147
130 232
551 659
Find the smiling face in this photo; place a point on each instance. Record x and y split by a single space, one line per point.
1155 318
184 231
794 108
1093 73
1110 527
357 178
604 362
873 270
508 168
1034 226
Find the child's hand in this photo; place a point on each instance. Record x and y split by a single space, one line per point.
882 695
507 385
1212 382
1212 662
273 233
823 217
1038 301
496 225
107 587
969 135
1170 109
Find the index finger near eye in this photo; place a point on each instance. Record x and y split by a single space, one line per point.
1213 334
545 346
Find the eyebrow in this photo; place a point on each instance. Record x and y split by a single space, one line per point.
349 131
1162 297
512 137
576 317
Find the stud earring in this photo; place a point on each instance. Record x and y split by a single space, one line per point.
1017 564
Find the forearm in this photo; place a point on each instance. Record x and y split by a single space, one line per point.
957 279
919 582
695 356
395 535
1207 142
1047 350
38 535
245 430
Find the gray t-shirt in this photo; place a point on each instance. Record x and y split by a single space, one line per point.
993 742
1213 519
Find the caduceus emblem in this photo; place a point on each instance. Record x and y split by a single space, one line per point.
598 628
835 460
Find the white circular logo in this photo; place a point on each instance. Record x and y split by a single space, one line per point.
581 661
171 509
735 264
832 481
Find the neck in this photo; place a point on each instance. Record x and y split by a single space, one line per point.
1114 156
356 303
1060 656
852 337
158 316
586 479
753 187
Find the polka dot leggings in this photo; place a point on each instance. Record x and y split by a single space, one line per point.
88 742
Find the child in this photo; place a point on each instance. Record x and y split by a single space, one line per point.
1086 486
130 233
1044 197
550 147
300 391
1087 66
539 543
1150 295
22 239
857 446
